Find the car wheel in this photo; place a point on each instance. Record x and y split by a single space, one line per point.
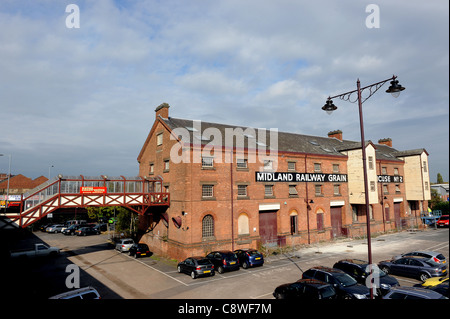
348 297
245 265
193 275
179 269
279 295
220 270
424 276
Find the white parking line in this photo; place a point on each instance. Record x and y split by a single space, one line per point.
146 265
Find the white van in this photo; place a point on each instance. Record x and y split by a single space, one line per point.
82 293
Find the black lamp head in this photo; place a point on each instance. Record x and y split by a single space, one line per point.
395 88
329 107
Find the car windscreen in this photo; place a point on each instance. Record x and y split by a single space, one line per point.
440 257
443 218
253 252
345 280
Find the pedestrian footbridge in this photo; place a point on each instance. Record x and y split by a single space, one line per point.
135 193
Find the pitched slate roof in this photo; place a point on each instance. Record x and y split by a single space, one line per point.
287 142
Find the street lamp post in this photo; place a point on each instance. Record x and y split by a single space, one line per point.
395 88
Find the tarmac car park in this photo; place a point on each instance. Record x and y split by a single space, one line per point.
117 275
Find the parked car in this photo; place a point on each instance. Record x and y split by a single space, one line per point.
306 289
415 267
38 250
357 269
71 229
81 293
443 221
442 288
346 286
56 228
224 260
124 244
44 227
139 250
101 227
438 284
433 281
412 293
249 258
434 256
84 231
196 266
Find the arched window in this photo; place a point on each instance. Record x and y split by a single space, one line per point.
320 220
208 226
243 227
294 222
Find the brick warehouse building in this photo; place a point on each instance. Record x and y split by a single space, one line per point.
237 187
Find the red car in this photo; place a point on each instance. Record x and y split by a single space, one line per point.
443 221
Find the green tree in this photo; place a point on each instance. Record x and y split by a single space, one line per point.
440 180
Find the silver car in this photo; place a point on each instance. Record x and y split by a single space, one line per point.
54 228
124 244
434 256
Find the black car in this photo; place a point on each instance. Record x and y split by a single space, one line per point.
346 286
84 231
224 260
101 227
72 229
196 266
306 289
139 250
358 269
249 258
415 267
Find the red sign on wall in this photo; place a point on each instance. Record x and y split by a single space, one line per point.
92 190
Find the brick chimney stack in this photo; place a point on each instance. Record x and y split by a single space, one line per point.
163 110
336 134
386 141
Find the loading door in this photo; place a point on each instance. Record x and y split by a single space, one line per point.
336 221
268 227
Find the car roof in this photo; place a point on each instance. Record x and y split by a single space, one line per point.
358 262
313 282
328 269
429 252
418 291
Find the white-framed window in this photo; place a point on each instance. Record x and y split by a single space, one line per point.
242 190
207 191
241 163
268 190
293 190
291 166
208 227
159 139
317 167
207 162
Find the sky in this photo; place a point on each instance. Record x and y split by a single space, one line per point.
81 99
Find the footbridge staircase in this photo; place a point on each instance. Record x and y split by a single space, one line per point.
135 193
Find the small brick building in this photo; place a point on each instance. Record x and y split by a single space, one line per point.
237 187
